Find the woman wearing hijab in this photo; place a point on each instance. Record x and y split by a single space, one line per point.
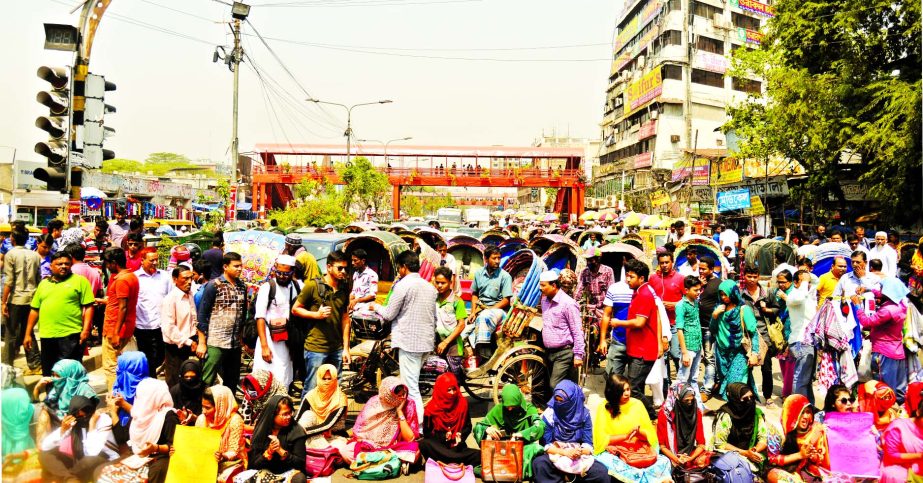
803 451
903 441
568 440
323 410
153 422
447 424
187 393
514 416
72 451
886 326
20 458
877 398
915 281
839 399
388 421
69 379
680 430
620 418
219 411
130 370
728 322
258 387
741 426
277 448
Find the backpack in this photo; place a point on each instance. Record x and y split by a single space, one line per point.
375 465
732 468
248 332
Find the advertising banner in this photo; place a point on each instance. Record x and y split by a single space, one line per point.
636 25
754 6
749 36
683 168
644 90
660 198
647 130
738 199
756 206
644 160
710 62
727 171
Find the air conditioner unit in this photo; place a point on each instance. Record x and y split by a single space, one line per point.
655 114
718 18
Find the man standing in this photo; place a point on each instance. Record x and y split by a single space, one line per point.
827 282
729 238
96 244
802 305
412 312
154 286
220 317
22 274
615 305
882 251
121 303
594 280
691 266
446 258
55 228
781 264
78 253
63 307
134 243
668 285
215 256
860 235
178 324
679 233
365 282
643 338
272 313
324 304
562 330
119 229
491 291
708 300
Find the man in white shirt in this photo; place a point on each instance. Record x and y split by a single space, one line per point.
365 282
691 266
272 318
885 253
802 305
448 260
729 238
154 285
178 323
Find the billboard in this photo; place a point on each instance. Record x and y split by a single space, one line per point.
683 169
738 199
644 90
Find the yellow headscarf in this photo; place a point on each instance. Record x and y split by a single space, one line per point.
326 397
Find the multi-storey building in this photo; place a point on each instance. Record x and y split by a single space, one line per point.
666 98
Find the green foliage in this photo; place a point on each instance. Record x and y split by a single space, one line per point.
159 164
366 185
306 188
163 250
552 195
841 77
214 220
321 205
415 205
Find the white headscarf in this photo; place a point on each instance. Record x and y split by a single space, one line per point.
152 403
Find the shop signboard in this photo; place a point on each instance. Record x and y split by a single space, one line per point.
754 37
647 130
727 171
775 166
702 194
710 62
682 169
853 191
644 160
636 25
660 198
738 199
706 209
644 90
754 6
774 187
756 206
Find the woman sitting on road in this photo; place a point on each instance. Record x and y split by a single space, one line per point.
618 421
387 421
130 370
277 449
258 388
323 410
877 398
803 452
68 379
514 417
680 429
20 458
568 440
838 400
447 424
741 426
219 411
74 450
903 440
187 393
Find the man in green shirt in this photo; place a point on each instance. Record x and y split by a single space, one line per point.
63 308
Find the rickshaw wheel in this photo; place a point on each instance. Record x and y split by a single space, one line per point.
528 371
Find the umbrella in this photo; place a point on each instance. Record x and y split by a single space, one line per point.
607 217
90 192
633 219
651 221
509 211
166 230
589 215
523 215
550 217
665 223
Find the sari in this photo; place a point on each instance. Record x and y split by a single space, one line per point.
730 355
515 415
631 415
904 436
71 380
131 369
378 427
225 419
877 398
792 440
258 387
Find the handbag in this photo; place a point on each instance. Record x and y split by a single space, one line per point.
571 466
775 331
278 329
753 360
636 451
321 462
436 472
375 465
501 460
698 475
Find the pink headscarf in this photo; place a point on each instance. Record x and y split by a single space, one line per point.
152 403
377 423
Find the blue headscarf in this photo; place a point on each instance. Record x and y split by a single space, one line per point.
894 289
132 368
570 414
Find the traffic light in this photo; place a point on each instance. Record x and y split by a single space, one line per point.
56 124
95 131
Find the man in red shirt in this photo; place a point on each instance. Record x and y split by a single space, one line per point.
133 257
643 338
121 301
668 285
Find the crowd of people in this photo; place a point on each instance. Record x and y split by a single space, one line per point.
673 337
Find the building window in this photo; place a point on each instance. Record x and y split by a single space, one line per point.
671 37
745 21
672 5
747 85
707 78
710 45
669 71
704 10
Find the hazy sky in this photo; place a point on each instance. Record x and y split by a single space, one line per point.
171 97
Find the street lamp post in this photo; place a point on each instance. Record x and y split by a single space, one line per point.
349 113
385 144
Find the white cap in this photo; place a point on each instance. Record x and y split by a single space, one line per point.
881 233
548 276
287 260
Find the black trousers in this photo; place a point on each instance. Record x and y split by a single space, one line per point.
57 466
150 342
56 348
173 357
14 331
560 363
638 370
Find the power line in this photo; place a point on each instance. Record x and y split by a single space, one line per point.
149 26
440 49
359 3
190 14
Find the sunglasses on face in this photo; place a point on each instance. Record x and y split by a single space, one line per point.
339 269
846 400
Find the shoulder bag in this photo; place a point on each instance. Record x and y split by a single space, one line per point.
746 342
636 451
437 472
501 460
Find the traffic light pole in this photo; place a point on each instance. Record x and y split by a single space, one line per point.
236 56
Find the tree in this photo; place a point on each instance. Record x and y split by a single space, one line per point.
159 164
843 80
318 205
365 184
121 165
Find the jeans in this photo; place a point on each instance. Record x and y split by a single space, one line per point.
313 361
150 342
56 348
560 365
225 361
638 370
690 374
708 357
411 363
616 358
892 372
802 356
13 335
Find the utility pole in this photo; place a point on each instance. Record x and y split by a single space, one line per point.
239 12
